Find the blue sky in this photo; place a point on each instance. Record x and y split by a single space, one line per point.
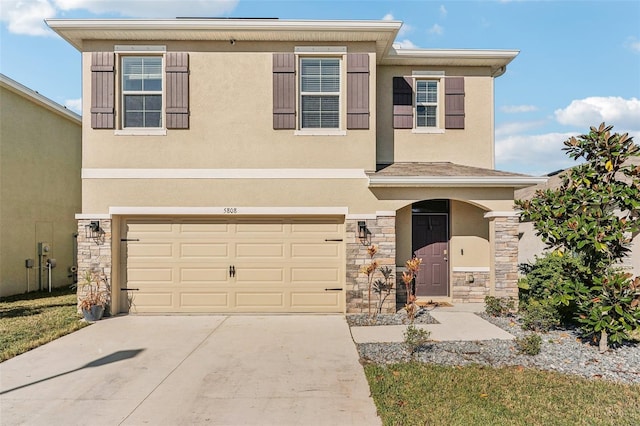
579 62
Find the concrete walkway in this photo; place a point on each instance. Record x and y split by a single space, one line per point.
455 323
184 370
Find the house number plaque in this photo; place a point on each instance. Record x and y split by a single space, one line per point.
230 210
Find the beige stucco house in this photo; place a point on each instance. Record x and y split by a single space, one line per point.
40 143
235 165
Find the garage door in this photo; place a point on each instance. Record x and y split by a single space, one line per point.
235 265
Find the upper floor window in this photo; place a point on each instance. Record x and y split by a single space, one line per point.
142 91
153 92
426 103
320 93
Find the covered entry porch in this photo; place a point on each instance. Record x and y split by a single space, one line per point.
458 219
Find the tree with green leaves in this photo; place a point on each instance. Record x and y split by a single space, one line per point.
594 215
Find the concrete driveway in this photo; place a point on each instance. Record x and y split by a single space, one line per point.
179 370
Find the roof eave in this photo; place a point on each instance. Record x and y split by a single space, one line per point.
71 30
39 99
496 59
454 181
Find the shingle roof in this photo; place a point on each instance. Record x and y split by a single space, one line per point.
447 174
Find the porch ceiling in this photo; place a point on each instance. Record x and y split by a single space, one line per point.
447 174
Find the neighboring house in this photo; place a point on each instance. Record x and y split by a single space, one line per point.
244 165
40 143
531 245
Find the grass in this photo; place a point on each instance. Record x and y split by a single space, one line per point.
421 394
30 320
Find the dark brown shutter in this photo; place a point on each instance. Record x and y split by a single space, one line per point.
402 103
177 104
284 91
102 90
357 91
454 103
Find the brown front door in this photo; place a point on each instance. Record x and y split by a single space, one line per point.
431 244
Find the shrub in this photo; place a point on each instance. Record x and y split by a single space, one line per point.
611 308
554 277
499 306
529 345
540 315
415 337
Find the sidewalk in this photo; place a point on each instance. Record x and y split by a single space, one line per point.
455 323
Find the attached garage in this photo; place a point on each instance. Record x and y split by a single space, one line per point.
234 264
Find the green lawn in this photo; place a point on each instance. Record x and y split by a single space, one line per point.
421 394
30 320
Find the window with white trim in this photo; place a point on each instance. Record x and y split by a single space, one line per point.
426 104
142 92
319 93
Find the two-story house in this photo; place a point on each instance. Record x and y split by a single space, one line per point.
245 165
40 144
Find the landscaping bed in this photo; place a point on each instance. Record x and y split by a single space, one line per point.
561 351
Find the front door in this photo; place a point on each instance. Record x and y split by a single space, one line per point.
431 244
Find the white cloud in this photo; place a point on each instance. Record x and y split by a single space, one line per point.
443 11
26 16
404 44
388 17
436 29
514 109
74 105
633 44
619 112
532 154
518 127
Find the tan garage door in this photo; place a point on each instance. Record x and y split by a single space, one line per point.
235 265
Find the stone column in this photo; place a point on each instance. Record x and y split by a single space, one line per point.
504 245
94 255
382 230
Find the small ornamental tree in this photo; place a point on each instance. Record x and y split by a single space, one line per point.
595 214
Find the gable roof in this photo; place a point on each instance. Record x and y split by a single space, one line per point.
37 98
382 32
447 174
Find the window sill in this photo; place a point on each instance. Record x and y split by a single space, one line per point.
141 132
320 132
434 131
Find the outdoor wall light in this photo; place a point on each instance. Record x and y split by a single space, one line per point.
363 232
93 231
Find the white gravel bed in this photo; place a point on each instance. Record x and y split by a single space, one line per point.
561 351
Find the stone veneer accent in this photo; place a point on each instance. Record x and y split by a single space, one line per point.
93 256
383 235
506 256
474 292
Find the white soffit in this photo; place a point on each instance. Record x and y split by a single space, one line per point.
77 31
496 59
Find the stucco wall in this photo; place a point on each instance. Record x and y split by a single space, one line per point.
472 146
231 123
39 190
